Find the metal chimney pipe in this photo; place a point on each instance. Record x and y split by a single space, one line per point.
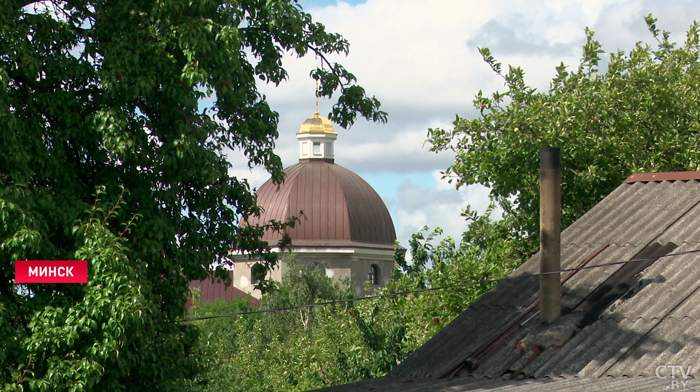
550 234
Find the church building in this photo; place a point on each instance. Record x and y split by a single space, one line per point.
346 229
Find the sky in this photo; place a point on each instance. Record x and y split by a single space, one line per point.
420 59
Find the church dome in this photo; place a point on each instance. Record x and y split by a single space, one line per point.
317 124
340 208
345 224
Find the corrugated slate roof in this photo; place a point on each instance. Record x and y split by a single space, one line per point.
470 384
656 322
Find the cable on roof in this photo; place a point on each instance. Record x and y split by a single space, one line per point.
463 284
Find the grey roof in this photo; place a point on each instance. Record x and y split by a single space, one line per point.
607 384
654 321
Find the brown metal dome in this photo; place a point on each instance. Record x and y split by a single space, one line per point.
340 208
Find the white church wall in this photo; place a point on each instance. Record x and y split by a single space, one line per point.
341 265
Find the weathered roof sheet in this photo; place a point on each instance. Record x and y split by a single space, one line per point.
608 384
656 322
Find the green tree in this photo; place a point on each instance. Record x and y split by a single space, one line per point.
299 348
640 112
304 347
105 95
218 351
486 252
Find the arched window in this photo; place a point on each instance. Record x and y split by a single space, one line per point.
317 265
373 274
257 273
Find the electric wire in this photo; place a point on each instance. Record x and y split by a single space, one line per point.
428 289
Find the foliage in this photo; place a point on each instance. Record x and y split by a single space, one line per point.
486 253
301 348
106 94
219 344
639 112
96 336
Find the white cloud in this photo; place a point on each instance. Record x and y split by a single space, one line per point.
256 176
391 154
419 58
620 24
437 204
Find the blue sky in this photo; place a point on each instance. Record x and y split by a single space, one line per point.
419 57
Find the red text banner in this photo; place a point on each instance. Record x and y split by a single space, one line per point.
51 271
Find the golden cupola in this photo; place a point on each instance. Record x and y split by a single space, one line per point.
316 138
317 124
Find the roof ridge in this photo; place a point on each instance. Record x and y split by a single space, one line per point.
664 176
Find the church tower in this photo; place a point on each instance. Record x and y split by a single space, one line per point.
345 226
